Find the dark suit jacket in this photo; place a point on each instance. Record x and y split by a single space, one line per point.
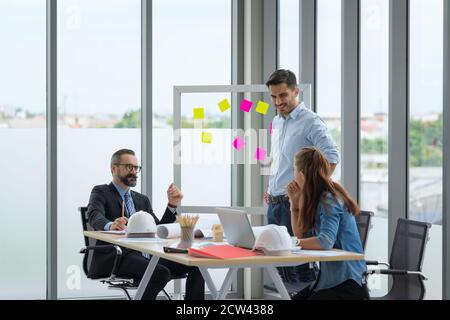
105 205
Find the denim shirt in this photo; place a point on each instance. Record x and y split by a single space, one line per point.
335 227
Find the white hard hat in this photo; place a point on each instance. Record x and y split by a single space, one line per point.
141 225
274 241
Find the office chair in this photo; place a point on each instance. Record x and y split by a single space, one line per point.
113 282
405 262
363 222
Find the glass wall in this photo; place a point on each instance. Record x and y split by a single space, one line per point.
289 36
328 103
99 111
192 46
99 92
425 131
374 130
23 145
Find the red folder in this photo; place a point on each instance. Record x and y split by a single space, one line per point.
224 251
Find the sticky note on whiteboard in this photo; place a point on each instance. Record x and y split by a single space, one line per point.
224 105
206 137
246 105
199 113
238 143
260 154
262 107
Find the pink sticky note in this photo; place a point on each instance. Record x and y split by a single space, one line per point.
270 128
238 143
246 105
260 154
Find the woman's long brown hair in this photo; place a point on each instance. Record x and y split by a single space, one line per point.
316 170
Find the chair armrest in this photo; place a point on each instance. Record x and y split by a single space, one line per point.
107 248
376 263
396 272
121 282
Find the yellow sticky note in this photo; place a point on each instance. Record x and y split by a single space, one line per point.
199 113
224 105
206 137
262 107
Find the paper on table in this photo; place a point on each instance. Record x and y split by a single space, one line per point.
206 244
143 240
320 253
173 230
115 231
224 251
169 230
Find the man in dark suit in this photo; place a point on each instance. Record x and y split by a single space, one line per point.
105 213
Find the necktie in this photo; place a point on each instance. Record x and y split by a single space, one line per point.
129 204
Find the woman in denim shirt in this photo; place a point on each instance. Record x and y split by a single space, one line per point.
323 205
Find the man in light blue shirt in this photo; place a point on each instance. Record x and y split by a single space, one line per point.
294 128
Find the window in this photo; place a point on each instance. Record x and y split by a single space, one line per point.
191 46
99 70
425 131
374 130
201 29
289 36
328 104
23 145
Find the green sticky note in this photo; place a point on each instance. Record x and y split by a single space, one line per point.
206 137
224 105
262 107
199 113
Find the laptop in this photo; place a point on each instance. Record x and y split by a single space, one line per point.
237 227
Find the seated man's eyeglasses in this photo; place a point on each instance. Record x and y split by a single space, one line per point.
130 166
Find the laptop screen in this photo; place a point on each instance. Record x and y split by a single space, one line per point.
237 227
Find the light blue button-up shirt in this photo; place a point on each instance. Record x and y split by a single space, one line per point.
335 227
301 128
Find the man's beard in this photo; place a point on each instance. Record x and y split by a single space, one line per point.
129 180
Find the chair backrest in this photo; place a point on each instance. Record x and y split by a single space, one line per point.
409 245
87 259
407 254
363 223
